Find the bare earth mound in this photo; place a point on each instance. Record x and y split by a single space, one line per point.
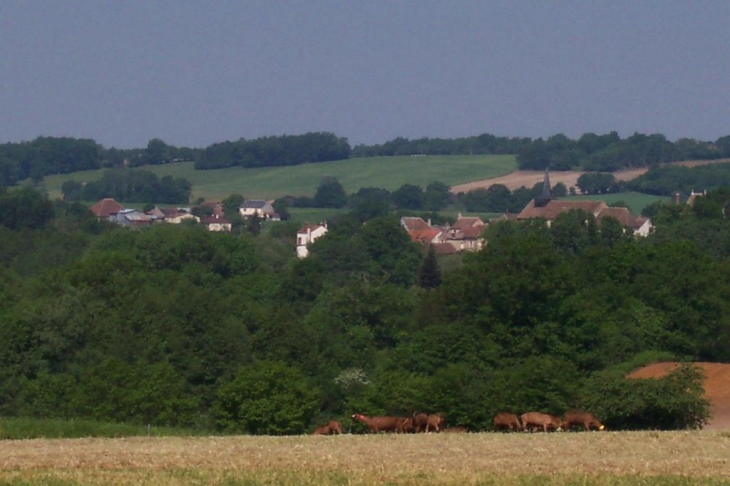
716 385
529 178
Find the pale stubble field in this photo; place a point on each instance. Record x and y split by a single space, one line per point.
550 459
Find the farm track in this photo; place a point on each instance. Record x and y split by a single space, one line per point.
485 458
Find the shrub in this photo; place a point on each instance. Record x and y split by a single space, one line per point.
672 402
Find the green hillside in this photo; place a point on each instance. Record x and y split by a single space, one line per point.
302 180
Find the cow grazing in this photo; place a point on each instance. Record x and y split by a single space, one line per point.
435 422
420 421
378 424
332 428
507 421
537 420
583 419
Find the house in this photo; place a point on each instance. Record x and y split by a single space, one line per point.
215 207
427 236
548 208
106 207
176 215
307 234
466 233
131 218
263 209
640 225
553 208
217 223
412 223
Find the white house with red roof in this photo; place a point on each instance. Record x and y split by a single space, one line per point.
307 234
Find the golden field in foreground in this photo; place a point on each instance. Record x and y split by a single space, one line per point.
487 458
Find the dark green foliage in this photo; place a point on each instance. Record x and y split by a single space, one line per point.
608 153
480 144
408 196
597 183
266 398
127 185
668 180
436 196
369 202
25 208
330 194
274 151
429 274
672 402
176 325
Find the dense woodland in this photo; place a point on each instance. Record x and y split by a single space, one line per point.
602 153
173 325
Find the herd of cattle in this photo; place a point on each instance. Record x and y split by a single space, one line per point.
503 421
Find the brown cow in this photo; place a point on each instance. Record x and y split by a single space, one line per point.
420 421
507 421
582 418
537 420
405 425
378 424
332 428
435 422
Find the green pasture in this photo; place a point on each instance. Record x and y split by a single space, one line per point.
636 200
302 180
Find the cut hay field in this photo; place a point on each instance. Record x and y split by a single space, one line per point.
302 180
610 458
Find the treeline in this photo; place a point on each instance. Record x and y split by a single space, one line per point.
609 153
62 155
476 145
127 185
174 325
604 153
274 151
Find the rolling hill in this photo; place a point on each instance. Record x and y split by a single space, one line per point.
302 180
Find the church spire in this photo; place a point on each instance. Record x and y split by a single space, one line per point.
546 195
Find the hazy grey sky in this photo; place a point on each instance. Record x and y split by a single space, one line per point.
197 72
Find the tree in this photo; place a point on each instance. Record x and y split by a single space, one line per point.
231 205
269 397
157 152
429 274
408 196
330 194
436 197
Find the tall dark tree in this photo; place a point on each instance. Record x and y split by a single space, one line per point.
429 274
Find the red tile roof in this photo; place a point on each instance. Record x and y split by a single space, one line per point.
106 207
424 235
414 223
555 207
468 222
214 220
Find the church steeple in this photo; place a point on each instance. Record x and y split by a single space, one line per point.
546 195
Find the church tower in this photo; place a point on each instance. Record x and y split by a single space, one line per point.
546 195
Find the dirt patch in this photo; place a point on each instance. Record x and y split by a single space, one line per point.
529 178
716 386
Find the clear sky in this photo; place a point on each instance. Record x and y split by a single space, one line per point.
197 72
